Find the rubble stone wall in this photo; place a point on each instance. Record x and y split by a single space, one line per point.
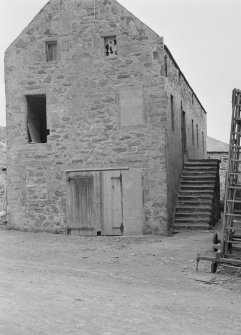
184 100
223 167
101 111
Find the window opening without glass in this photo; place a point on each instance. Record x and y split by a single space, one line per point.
36 119
197 134
165 65
51 51
110 46
192 132
172 113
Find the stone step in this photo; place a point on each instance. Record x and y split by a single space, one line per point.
199 226
199 168
186 220
193 216
200 163
194 204
198 176
197 180
197 184
197 173
203 161
193 209
196 187
196 193
195 196
196 199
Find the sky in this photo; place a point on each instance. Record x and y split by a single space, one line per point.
202 35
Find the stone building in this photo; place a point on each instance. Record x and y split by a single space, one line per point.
219 150
99 120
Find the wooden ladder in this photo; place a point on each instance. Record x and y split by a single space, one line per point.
229 251
232 205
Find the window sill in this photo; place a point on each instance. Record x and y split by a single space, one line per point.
111 57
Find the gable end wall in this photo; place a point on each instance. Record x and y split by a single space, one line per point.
85 94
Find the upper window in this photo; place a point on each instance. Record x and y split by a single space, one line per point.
110 46
172 113
203 141
192 132
179 76
37 119
197 134
165 65
51 51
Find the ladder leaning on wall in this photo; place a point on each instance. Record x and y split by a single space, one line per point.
232 205
230 248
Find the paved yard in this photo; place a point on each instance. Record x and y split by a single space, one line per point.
59 284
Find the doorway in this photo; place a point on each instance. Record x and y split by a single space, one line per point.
111 203
105 201
81 202
95 202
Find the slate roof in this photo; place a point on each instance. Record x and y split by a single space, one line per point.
214 145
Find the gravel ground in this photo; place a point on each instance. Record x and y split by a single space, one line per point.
59 284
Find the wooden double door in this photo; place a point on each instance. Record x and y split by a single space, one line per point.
95 202
106 202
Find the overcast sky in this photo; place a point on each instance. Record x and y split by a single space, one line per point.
202 35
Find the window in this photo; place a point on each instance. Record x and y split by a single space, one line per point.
192 132
36 119
203 141
197 134
155 55
165 64
183 129
172 113
110 46
179 76
51 51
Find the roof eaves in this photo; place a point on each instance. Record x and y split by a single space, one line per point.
175 63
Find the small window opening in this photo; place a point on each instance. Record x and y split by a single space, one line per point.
51 51
98 233
192 98
179 76
165 64
36 119
172 113
203 141
110 46
155 55
192 132
183 129
197 135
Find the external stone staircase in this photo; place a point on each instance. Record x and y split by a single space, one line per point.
198 199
